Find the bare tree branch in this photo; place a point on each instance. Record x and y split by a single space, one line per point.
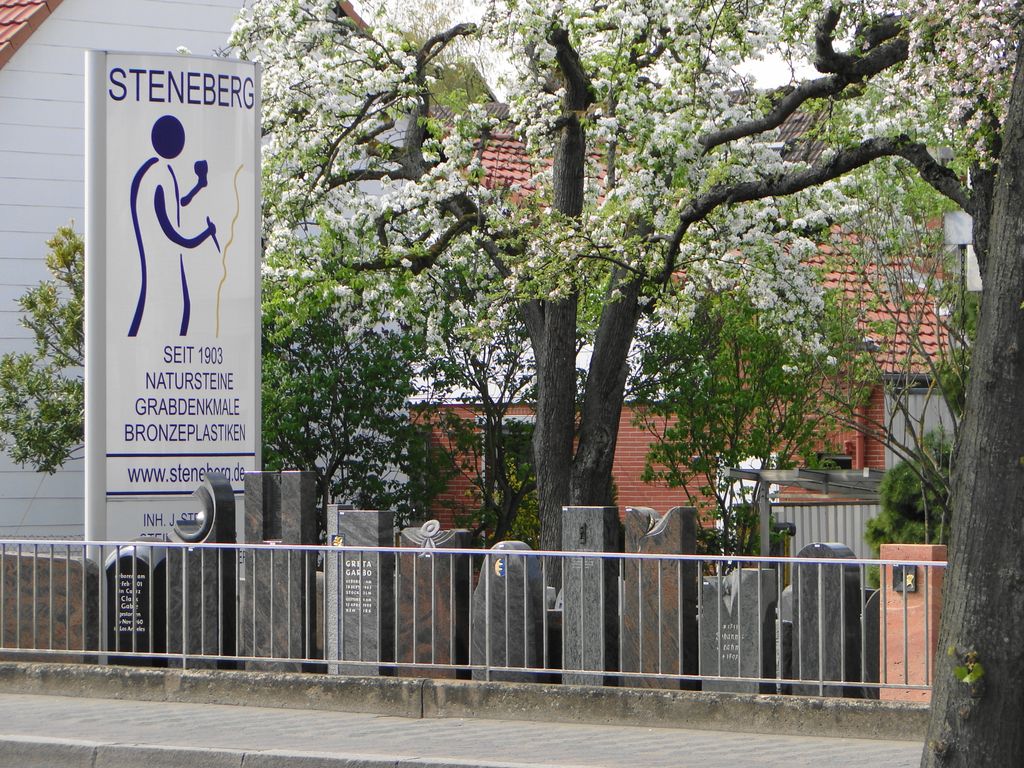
839 164
886 50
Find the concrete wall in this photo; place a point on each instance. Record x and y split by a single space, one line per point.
42 184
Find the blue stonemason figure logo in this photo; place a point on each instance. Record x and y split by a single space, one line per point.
168 138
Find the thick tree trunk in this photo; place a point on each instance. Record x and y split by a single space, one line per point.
554 347
979 724
602 403
552 324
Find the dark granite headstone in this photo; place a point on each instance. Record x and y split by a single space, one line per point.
737 630
136 603
278 609
659 598
590 620
826 622
433 602
513 588
872 641
360 590
201 583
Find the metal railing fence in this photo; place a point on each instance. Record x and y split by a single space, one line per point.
832 626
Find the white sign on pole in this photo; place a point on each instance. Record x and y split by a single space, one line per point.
172 284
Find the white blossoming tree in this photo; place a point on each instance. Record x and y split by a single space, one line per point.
655 169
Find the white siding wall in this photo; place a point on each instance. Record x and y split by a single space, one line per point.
41 184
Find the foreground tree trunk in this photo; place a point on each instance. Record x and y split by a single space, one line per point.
978 723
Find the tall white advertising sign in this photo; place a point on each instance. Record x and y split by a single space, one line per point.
172 284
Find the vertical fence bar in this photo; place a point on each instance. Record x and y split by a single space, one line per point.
397 591
359 607
433 612
49 582
67 598
202 601
17 623
718 613
906 632
3 594
308 603
415 606
288 602
452 618
487 617
680 669
527 563
622 621
661 641
759 633
861 584
640 613
842 623
117 597
35 595
221 649
544 609
184 603
883 667
821 634
507 618
602 588
738 573
927 628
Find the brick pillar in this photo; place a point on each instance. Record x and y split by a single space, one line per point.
914 614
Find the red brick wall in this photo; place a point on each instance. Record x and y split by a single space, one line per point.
459 499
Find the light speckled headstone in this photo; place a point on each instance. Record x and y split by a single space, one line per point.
737 630
659 597
590 614
360 590
513 588
433 601
826 621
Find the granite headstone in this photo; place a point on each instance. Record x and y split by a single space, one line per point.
202 583
737 630
659 598
827 606
508 605
360 590
136 580
590 620
433 602
50 600
278 609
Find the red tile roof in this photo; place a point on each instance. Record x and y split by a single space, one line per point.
894 303
886 321
18 20
506 162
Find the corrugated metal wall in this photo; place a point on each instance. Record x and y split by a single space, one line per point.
815 522
926 412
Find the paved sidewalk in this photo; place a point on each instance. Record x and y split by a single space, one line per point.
64 731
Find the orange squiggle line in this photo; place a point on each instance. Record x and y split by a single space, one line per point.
224 253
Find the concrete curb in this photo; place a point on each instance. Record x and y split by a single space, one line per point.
38 752
419 698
